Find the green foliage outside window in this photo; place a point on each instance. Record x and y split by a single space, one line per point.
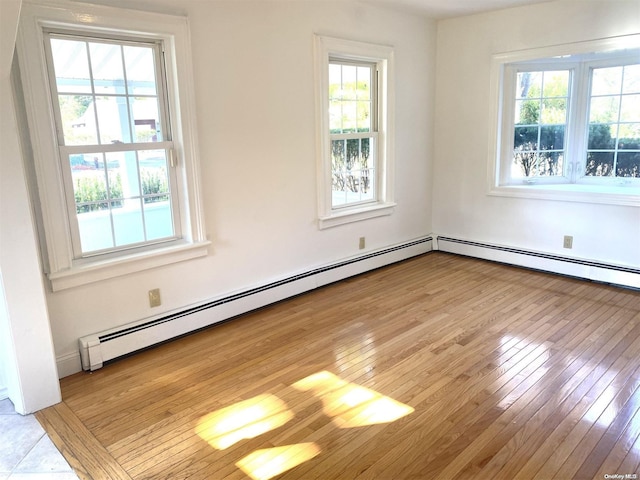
540 131
91 192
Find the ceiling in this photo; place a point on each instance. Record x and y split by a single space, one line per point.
450 8
430 8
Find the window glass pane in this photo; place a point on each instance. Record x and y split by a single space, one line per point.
113 120
600 137
366 184
599 164
338 189
88 175
552 138
335 117
604 109
367 171
338 155
527 112
524 164
364 116
95 229
349 84
146 119
338 167
630 108
71 65
349 115
90 190
353 171
140 65
554 110
556 84
127 222
77 113
157 217
526 138
629 134
335 81
628 164
367 153
631 82
606 81
106 67
153 172
364 83
550 164
123 175
529 85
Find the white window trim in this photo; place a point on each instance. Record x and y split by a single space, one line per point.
574 192
324 49
62 269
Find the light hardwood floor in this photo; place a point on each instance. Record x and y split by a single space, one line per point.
439 367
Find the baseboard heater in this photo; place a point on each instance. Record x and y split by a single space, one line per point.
108 345
576 267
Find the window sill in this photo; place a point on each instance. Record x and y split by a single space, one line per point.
596 194
126 264
341 217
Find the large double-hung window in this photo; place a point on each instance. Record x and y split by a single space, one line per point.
570 123
114 141
109 101
355 106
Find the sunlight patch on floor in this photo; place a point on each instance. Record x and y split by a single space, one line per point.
351 405
268 462
347 404
242 420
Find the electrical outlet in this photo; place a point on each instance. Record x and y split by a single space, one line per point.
361 243
568 241
154 298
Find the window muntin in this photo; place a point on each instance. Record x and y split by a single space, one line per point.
538 148
114 142
353 132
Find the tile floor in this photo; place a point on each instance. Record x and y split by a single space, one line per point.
26 452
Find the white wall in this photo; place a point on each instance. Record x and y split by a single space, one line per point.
256 122
461 207
26 349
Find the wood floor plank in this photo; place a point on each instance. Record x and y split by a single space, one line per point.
85 454
499 373
617 454
631 463
554 440
519 407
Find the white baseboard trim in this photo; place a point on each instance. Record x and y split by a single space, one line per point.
4 393
68 364
114 343
564 265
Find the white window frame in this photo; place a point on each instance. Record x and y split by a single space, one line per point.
579 58
327 49
64 268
